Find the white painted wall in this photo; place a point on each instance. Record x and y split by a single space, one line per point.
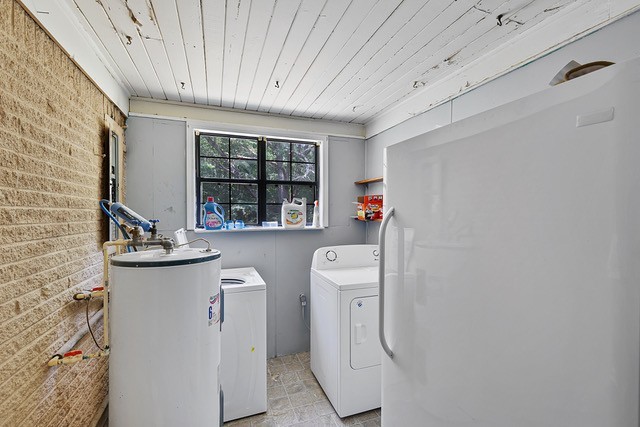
156 188
617 42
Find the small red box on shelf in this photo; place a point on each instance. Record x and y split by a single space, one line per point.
370 207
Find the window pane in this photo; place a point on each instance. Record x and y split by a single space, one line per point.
309 214
306 191
244 148
217 146
226 208
276 193
214 168
244 169
278 150
220 192
273 213
244 193
303 152
247 213
278 171
303 172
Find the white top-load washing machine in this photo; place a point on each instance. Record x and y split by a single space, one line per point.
243 364
345 350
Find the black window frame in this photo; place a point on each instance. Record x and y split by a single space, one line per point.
261 181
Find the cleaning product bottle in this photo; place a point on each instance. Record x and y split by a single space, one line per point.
294 213
213 218
316 215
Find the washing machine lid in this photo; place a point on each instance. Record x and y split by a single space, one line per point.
349 278
241 280
159 258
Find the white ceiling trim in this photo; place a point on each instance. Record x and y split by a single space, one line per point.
203 113
58 20
574 22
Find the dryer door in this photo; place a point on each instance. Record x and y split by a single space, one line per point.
365 346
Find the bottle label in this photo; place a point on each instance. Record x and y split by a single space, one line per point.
212 220
293 217
214 309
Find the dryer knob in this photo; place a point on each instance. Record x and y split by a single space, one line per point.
376 253
331 256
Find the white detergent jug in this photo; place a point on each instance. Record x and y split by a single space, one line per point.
294 214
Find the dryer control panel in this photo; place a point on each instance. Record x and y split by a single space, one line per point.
347 256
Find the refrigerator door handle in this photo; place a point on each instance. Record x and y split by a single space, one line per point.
381 243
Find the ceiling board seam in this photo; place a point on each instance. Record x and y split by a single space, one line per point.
321 30
373 55
336 55
352 57
355 101
113 63
368 109
421 79
244 43
224 50
125 48
169 81
481 38
275 64
332 59
152 66
184 49
319 50
398 95
204 48
284 81
264 41
358 100
164 48
131 19
521 63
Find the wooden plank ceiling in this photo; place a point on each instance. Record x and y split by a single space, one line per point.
344 60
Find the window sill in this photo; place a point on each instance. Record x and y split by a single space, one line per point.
253 229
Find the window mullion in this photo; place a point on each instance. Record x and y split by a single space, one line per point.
262 180
317 169
198 184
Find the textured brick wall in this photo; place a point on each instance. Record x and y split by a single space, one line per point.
51 177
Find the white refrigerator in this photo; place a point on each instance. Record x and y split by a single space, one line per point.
510 263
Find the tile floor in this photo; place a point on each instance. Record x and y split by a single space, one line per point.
296 399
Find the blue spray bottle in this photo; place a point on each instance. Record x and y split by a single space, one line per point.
213 218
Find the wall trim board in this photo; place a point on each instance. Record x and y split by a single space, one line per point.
575 22
142 107
57 20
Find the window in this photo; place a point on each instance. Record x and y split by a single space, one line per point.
249 176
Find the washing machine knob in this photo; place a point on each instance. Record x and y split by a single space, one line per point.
331 256
376 253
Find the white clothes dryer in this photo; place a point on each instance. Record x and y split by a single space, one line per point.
345 350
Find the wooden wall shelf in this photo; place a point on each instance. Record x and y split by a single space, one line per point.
366 220
368 181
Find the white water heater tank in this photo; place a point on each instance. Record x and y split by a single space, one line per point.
165 339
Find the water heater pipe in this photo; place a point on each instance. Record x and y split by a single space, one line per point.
105 286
